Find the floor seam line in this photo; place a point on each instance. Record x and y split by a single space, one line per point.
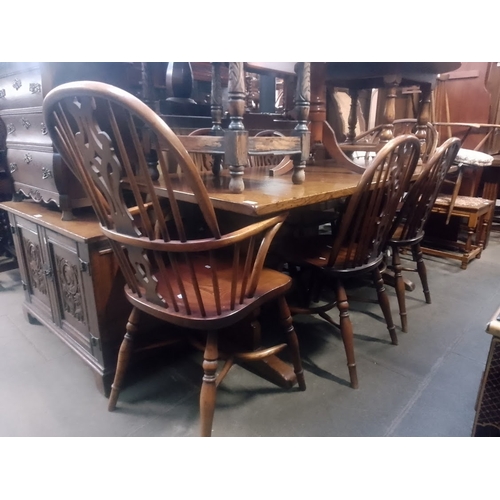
420 389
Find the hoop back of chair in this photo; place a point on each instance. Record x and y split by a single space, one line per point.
370 213
409 126
420 199
99 129
402 127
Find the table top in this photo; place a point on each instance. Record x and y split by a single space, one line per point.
370 74
266 195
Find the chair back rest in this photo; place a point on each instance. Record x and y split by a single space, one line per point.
421 197
365 225
266 160
99 131
402 127
203 161
409 126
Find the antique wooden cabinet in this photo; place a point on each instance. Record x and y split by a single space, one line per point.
72 283
37 170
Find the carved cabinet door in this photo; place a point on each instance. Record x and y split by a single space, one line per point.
36 274
70 311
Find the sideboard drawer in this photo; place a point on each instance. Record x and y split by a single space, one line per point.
26 128
21 89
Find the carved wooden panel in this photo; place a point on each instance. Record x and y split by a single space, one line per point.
69 286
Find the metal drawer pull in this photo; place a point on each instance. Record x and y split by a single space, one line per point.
35 88
26 123
13 167
28 158
2 93
46 173
10 128
17 84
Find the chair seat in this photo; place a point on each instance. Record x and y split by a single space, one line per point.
270 283
462 202
473 158
316 251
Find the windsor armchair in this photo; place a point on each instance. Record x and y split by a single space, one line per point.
190 275
356 248
409 225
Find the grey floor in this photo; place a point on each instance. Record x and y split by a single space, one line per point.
426 386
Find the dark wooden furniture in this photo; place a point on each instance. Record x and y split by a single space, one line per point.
234 142
190 275
369 141
37 170
477 212
71 283
409 225
356 248
487 419
368 75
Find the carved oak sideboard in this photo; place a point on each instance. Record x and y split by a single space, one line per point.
71 282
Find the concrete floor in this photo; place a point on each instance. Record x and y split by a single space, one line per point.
426 386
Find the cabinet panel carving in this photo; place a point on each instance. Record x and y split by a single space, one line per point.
35 265
67 275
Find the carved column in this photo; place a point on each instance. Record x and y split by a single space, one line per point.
236 137
216 110
392 83
302 104
148 96
353 116
317 112
424 115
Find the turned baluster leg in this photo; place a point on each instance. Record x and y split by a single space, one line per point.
124 357
293 343
353 117
383 300
424 115
236 137
302 103
346 332
422 272
400 287
208 387
317 106
387 133
216 110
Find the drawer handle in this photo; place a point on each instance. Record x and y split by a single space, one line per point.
43 128
26 123
17 84
10 128
35 88
46 173
28 158
13 167
2 93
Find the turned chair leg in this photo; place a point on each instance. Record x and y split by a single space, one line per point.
383 300
346 332
293 343
422 272
400 287
124 357
208 387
